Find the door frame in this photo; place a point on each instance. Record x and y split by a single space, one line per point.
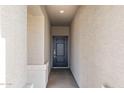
68 53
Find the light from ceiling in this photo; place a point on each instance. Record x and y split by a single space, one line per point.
61 11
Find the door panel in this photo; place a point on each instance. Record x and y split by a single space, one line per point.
60 51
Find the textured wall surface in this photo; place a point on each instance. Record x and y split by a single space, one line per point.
38 46
46 44
2 54
97 46
60 30
38 36
14 31
35 39
46 36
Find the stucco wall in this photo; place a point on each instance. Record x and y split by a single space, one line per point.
14 34
38 46
60 30
46 36
38 36
35 39
97 46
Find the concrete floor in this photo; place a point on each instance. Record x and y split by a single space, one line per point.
61 78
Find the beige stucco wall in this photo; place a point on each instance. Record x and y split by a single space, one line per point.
38 46
13 33
38 36
97 46
46 36
35 39
60 31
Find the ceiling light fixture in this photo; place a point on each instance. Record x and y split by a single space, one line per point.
61 11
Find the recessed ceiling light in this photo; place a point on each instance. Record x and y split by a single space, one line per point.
61 11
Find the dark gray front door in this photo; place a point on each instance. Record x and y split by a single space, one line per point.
60 51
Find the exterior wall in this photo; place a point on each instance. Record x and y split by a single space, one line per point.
38 36
46 38
38 46
14 36
35 39
60 31
2 53
97 46
47 69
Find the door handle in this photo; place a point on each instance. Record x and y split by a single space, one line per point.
54 52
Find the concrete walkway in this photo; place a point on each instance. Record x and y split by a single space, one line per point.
61 78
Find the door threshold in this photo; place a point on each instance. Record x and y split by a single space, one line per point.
60 67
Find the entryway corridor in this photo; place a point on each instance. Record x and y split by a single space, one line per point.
61 78
89 40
